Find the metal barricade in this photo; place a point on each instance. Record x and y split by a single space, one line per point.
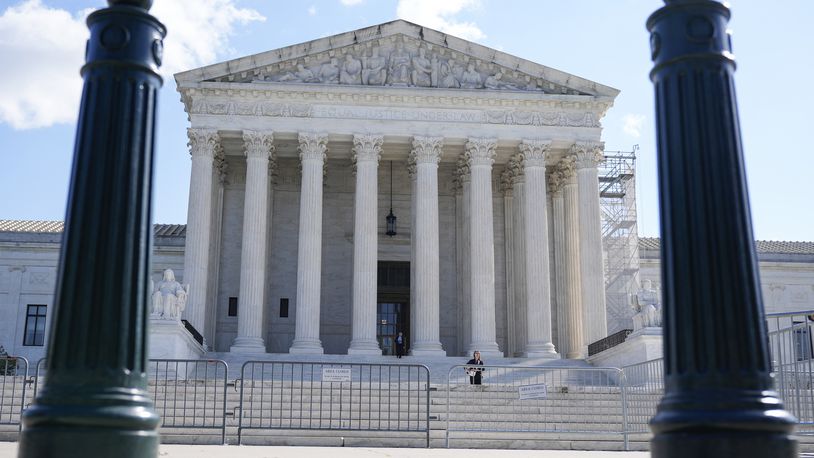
533 399
645 388
13 379
39 377
189 394
334 396
792 352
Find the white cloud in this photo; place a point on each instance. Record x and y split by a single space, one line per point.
312 10
43 49
351 2
632 124
438 14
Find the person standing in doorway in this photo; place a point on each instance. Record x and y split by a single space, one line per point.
474 373
400 345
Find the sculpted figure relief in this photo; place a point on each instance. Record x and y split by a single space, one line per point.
647 307
399 71
169 298
375 71
351 72
329 72
422 70
471 79
496 82
446 77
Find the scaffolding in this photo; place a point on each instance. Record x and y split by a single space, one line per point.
620 238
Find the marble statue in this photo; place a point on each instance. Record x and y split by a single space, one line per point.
471 79
399 71
374 72
351 72
422 70
496 82
329 72
169 298
446 78
646 304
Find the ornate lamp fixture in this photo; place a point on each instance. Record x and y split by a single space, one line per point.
391 218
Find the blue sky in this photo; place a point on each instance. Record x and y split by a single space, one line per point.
41 45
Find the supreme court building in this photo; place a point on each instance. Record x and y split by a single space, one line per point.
487 161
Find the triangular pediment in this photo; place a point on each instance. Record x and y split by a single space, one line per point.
396 54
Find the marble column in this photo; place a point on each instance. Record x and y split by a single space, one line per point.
309 253
203 145
592 269
508 223
462 253
411 172
481 153
558 241
538 279
519 255
576 320
258 149
367 150
427 153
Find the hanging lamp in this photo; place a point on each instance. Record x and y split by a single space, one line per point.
391 218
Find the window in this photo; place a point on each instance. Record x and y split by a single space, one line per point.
283 307
232 306
34 326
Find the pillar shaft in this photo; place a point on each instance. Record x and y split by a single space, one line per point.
426 154
96 394
718 397
592 269
258 148
367 151
558 240
481 152
574 312
204 144
309 254
538 279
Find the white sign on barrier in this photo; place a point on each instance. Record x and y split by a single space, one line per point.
532 391
335 374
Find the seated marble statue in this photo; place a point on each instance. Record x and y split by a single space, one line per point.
647 307
351 72
374 72
471 79
329 72
496 82
169 298
422 70
447 78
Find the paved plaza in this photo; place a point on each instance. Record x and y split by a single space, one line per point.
9 450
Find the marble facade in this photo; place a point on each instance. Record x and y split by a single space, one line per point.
454 118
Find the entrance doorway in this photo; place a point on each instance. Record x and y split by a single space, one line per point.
393 308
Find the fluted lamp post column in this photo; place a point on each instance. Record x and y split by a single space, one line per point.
309 252
367 150
718 399
258 148
426 154
95 397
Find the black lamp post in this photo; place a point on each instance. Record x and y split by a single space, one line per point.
391 218
718 399
94 401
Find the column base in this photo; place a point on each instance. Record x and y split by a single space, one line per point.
488 350
364 347
575 355
747 444
544 350
306 347
428 349
248 345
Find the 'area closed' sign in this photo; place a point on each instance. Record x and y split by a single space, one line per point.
335 374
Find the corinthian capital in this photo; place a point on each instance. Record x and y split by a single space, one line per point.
480 151
427 150
367 147
534 152
203 142
588 154
313 146
258 144
555 180
567 169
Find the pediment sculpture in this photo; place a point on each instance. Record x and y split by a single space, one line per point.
168 298
399 64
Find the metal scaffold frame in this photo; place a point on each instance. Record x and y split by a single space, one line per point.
620 236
